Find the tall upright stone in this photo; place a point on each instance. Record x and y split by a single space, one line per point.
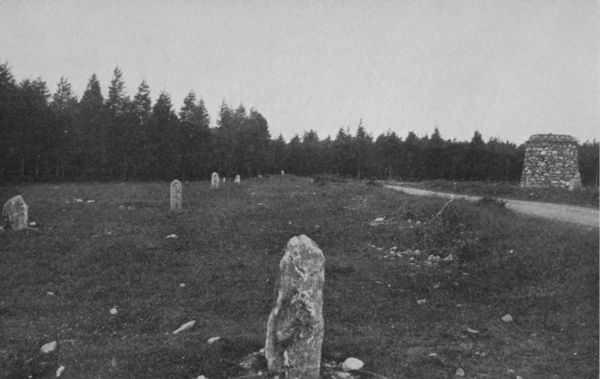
551 161
176 196
214 180
16 213
295 327
237 180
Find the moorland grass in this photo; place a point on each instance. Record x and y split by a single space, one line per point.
584 196
94 256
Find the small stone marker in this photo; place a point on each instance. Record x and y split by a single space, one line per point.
295 327
15 213
176 196
237 179
282 172
214 180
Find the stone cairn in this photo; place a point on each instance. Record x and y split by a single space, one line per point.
237 180
15 213
214 180
295 326
551 161
176 196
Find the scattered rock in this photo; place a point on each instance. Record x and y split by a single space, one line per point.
188 325
181 285
91 201
78 201
49 347
33 224
351 364
50 293
379 219
202 377
172 236
460 372
507 318
212 340
59 371
422 301
472 331
113 311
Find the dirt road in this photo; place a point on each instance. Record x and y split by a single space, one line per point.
567 213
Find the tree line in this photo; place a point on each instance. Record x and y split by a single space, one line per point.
57 136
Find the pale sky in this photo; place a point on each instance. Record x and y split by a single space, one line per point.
506 68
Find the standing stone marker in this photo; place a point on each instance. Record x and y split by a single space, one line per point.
237 180
15 213
551 161
176 196
295 327
214 180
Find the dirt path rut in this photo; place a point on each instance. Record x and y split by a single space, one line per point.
562 212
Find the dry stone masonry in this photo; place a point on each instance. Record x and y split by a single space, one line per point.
551 161
15 213
295 327
176 196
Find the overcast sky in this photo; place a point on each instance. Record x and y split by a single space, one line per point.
506 68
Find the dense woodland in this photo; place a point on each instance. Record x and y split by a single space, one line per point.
57 137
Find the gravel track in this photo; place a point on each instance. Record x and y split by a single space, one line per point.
567 213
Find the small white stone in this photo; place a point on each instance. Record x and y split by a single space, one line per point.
181 285
460 372
202 377
212 340
33 224
50 293
184 327
379 219
507 318
172 236
78 200
351 364
472 331
113 311
49 347
422 301
91 201
59 371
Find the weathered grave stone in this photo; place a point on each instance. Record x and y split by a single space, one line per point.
237 179
15 213
176 196
214 180
295 326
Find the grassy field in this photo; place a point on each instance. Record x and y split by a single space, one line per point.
113 253
586 196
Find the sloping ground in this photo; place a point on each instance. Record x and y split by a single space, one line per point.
560 212
414 296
